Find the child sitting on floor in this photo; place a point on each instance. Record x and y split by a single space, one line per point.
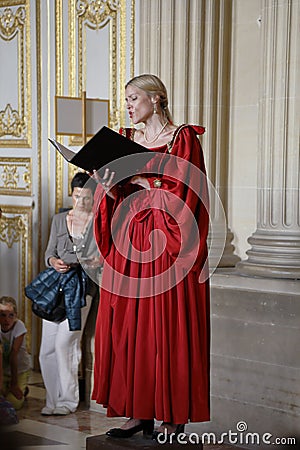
15 358
8 414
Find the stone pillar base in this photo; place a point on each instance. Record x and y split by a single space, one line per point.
273 255
221 254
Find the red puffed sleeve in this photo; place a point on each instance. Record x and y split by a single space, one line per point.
182 207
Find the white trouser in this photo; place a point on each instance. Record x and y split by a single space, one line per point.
60 355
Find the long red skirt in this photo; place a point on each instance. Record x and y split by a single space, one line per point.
152 354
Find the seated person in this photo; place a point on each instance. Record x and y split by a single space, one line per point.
15 358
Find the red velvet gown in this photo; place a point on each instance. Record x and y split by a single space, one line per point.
152 337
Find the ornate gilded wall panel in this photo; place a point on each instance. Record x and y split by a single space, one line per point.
15 90
15 176
97 60
15 250
107 20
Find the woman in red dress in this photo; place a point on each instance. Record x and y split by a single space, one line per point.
153 327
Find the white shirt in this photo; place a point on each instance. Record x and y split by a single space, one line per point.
7 338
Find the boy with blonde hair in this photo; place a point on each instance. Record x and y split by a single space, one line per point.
15 358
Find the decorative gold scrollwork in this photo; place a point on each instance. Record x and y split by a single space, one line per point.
10 177
11 123
15 176
97 12
11 23
12 229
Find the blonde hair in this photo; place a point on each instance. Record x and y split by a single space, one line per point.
9 301
152 85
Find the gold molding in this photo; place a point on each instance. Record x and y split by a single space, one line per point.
8 3
16 228
71 48
12 229
39 122
11 123
114 113
11 24
16 121
97 13
122 45
15 176
59 91
132 39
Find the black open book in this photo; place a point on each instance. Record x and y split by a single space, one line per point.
103 151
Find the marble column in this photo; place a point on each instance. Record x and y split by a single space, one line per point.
275 245
187 44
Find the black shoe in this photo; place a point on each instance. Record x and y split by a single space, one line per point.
146 426
160 436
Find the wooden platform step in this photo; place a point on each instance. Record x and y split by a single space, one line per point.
137 441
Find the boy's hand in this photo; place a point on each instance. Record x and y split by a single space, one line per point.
16 391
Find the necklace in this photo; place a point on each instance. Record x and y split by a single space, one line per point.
77 227
156 136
